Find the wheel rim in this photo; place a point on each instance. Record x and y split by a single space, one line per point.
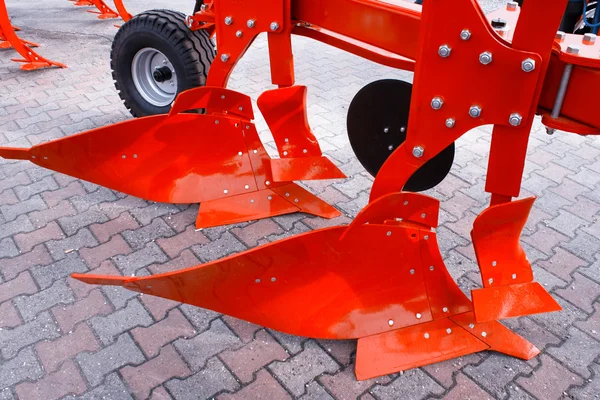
145 64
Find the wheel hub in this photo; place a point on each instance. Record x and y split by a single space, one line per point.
154 77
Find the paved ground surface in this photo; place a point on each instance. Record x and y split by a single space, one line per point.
61 338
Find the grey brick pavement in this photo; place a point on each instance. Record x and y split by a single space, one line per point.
60 338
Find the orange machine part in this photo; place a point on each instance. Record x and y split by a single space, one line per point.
31 60
103 10
125 16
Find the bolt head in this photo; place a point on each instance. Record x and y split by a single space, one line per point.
437 103
228 20
515 119
573 49
274 26
450 122
475 111
418 151
560 36
589 39
239 34
250 23
485 58
528 65
444 51
465 34
512 6
224 57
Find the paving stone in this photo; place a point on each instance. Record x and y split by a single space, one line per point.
444 372
199 317
6 394
13 340
95 196
591 389
72 224
183 219
584 246
30 306
41 218
11 212
23 367
197 350
60 248
27 241
175 244
9 316
166 366
160 393
264 387
550 381
52 198
157 306
150 254
562 264
82 310
250 358
113 388
413 384
340 350
592 325
8 248
545 239
292 343
53 353
14 181
186 259
118 296
496 372
252 233
96 255
225 245
243 329
152 338
106 230
67 380
23 284
314 391
44 185
204 384
96 365
148 214
582 292
304 367
111 326
345 386
559 322
466 389
21 224
45 276
139 237
578 352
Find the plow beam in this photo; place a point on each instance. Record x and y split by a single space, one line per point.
215 158
103 10
31 60
405 312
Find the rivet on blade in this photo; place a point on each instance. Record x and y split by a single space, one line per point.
134 156
484 334
514 276
240 153
445 309
287 195
305 151
267 183
448 331
418 316
423 215
257 281
123 156
494 263
247 126
431 268
216 122
471 326
295 200
285 153
412 271
270 198
225 191
255 151
286 140
426 335
273 279
251 200
246 187
490 281
241 108
426 237
391 322
406 203
389 233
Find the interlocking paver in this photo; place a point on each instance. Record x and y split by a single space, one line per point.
90 228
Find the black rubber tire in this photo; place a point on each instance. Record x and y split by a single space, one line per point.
190 52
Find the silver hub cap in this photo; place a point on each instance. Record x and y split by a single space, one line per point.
158 92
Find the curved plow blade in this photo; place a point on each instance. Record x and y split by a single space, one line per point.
505 270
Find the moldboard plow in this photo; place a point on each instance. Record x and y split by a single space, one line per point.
381 279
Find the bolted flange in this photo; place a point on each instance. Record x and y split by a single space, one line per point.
228 20
274 26
465 34
418 152
560 36
239 34
250 23
515 119
475 111
450 122
528 65
485 58
573 49
437 103
444 51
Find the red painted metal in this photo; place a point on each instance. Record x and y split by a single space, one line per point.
103 10
31 60
188 158
123 13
